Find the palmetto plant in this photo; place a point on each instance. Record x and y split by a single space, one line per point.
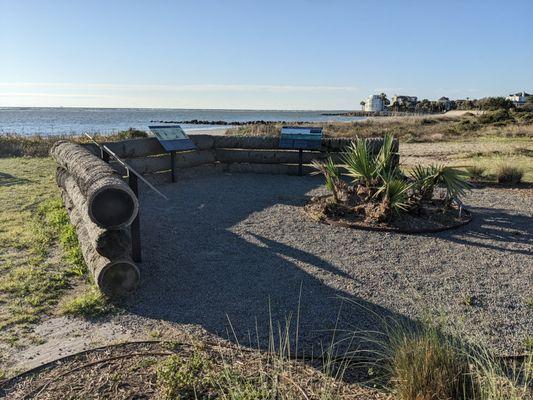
394 191
360 163
378 183
427 178
364 166
332 175
385 162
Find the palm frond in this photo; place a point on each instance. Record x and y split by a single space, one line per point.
453 180
359 161
331 174
394 190
385 157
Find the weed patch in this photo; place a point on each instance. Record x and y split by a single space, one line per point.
90 304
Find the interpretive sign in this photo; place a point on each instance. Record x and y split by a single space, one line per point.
301 138
172 137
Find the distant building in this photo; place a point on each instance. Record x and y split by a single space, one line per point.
445 103
374 103
519 99
401 100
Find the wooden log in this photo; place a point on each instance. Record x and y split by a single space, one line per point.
148 165
246 142
229 156
273 169
107 242
113 275
133 148
111 204
162 177
203 142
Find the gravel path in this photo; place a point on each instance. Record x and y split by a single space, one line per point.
238 248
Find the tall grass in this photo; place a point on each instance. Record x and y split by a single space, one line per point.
242 373
421 362
506 173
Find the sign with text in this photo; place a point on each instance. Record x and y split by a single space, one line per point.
172 137
300 137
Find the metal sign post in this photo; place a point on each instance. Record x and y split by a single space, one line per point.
172 139
172 167
300 138
136 252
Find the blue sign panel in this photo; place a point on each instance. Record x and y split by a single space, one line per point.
300 137
172 137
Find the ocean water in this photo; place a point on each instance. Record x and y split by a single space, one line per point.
65 121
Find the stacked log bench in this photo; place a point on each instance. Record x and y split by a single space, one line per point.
101 206
232 154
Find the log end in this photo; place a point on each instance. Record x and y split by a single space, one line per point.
113 207
119 277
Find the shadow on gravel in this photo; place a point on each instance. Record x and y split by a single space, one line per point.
207 261
496 229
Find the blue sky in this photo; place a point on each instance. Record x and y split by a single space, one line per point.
302 54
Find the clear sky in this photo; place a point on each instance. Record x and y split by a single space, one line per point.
301 54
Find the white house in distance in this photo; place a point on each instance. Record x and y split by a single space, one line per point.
374 103
519 99
400 100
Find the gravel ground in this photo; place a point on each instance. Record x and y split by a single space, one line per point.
229 253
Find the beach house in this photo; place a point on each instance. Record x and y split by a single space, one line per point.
374 103
404 100
519 99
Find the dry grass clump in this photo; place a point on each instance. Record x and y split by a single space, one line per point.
476 172
428 367
509 174
420 362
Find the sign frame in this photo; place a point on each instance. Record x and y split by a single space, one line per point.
301 138
172 142
179 141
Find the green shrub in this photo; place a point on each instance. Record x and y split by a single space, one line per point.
131 133
498 116
466 125
509 174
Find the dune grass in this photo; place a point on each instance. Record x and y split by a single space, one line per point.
411 129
